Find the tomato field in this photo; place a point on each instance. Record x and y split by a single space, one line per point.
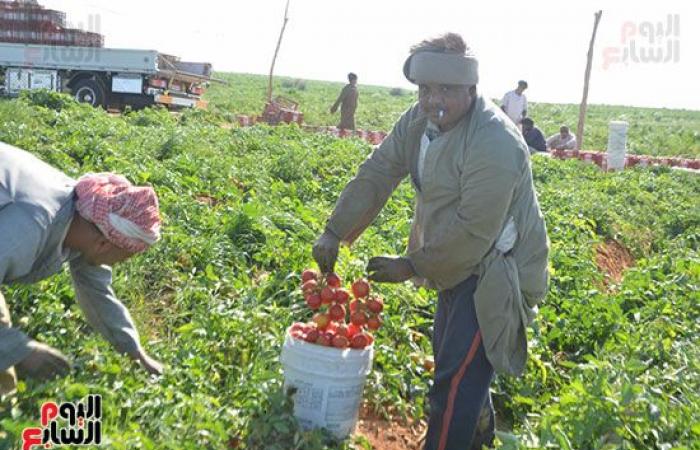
614 354
663 132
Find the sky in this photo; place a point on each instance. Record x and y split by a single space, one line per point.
541 41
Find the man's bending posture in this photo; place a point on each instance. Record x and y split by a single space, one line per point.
47 220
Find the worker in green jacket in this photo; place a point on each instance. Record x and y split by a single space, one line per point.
478 236
347 100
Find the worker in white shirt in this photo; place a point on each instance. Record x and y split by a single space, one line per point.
514 103
563 140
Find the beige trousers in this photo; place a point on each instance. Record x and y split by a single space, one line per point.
8 379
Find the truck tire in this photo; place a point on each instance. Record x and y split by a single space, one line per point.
90 91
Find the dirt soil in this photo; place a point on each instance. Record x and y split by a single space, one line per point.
390 435
613 259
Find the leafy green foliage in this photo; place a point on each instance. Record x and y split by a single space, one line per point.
613 365
273 427
652 131
663 132
47 99
378 107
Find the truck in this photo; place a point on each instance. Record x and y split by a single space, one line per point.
38 51
103 76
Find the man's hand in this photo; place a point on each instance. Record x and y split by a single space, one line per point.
325 251
43 363
386 269
151 365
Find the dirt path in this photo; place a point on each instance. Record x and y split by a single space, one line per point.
390 435
613 259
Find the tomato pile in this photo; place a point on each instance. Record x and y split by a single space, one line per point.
343 317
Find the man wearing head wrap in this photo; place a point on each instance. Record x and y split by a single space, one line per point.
478 236
47 220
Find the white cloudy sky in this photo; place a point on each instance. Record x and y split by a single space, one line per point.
542 41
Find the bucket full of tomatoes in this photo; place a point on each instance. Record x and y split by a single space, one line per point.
328 359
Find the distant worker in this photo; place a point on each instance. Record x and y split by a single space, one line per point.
563 140
514 103
533 136
348 103
48 220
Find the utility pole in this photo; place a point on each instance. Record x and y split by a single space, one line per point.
587 76
277 49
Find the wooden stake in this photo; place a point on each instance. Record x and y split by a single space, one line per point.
587 76
277 49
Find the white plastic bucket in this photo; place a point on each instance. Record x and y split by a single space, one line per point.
617 142
329 383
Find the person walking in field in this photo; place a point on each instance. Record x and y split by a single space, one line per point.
478 236
514 103
347 100
48 220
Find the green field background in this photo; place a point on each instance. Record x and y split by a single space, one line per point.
614 363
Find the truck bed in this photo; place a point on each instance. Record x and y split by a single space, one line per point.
145 62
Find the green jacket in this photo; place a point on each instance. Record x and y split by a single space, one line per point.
348 104
476 176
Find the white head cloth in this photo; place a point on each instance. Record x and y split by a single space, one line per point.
441 68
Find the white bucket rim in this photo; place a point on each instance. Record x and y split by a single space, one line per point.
330 351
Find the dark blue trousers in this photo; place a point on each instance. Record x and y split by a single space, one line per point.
462 375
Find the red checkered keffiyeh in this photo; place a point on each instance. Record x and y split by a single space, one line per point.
127 215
